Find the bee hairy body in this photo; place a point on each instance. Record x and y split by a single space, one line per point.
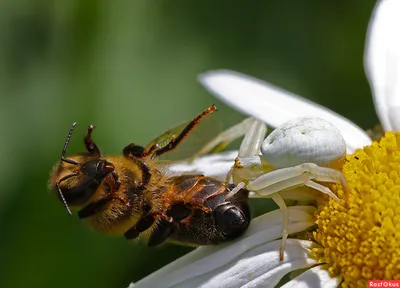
134 195
184 206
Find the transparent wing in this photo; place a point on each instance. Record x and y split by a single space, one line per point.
195 134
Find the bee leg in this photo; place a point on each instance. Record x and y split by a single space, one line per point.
91 147
150 151
161 232
134 153
142 225
134 150
131 234
225 138
179 211
231 219
186 131
146 173
145 223
93 208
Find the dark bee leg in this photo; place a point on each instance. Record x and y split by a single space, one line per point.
147 219
93 208
151 150
174 142
231 219
146 174
163 230
131 152
144 223
179 211
91 147
131 234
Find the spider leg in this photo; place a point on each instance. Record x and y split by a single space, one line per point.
291 177
285 222
225 137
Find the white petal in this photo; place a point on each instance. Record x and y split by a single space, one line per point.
315 277
273 105
258 267
253 251
382 59
214 165
394 117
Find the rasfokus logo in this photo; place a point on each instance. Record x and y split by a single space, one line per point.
384 283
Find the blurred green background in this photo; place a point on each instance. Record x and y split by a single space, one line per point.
130 68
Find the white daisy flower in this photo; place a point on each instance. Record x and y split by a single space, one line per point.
248 262
352 243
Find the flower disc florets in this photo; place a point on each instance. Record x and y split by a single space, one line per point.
362 238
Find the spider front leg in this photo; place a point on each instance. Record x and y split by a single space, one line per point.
291 177
225 137
270 184
248 164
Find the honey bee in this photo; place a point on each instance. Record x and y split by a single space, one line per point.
134 195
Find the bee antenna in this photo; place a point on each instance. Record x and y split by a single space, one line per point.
60 192
64 151
64 202
71 130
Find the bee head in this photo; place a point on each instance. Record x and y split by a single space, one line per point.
77 183
77 187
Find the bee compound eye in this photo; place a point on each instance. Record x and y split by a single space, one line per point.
231 219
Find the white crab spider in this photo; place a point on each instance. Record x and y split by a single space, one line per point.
298 153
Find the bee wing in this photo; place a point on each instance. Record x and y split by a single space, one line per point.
166 137
203 132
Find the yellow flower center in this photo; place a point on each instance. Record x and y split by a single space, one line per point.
361 239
